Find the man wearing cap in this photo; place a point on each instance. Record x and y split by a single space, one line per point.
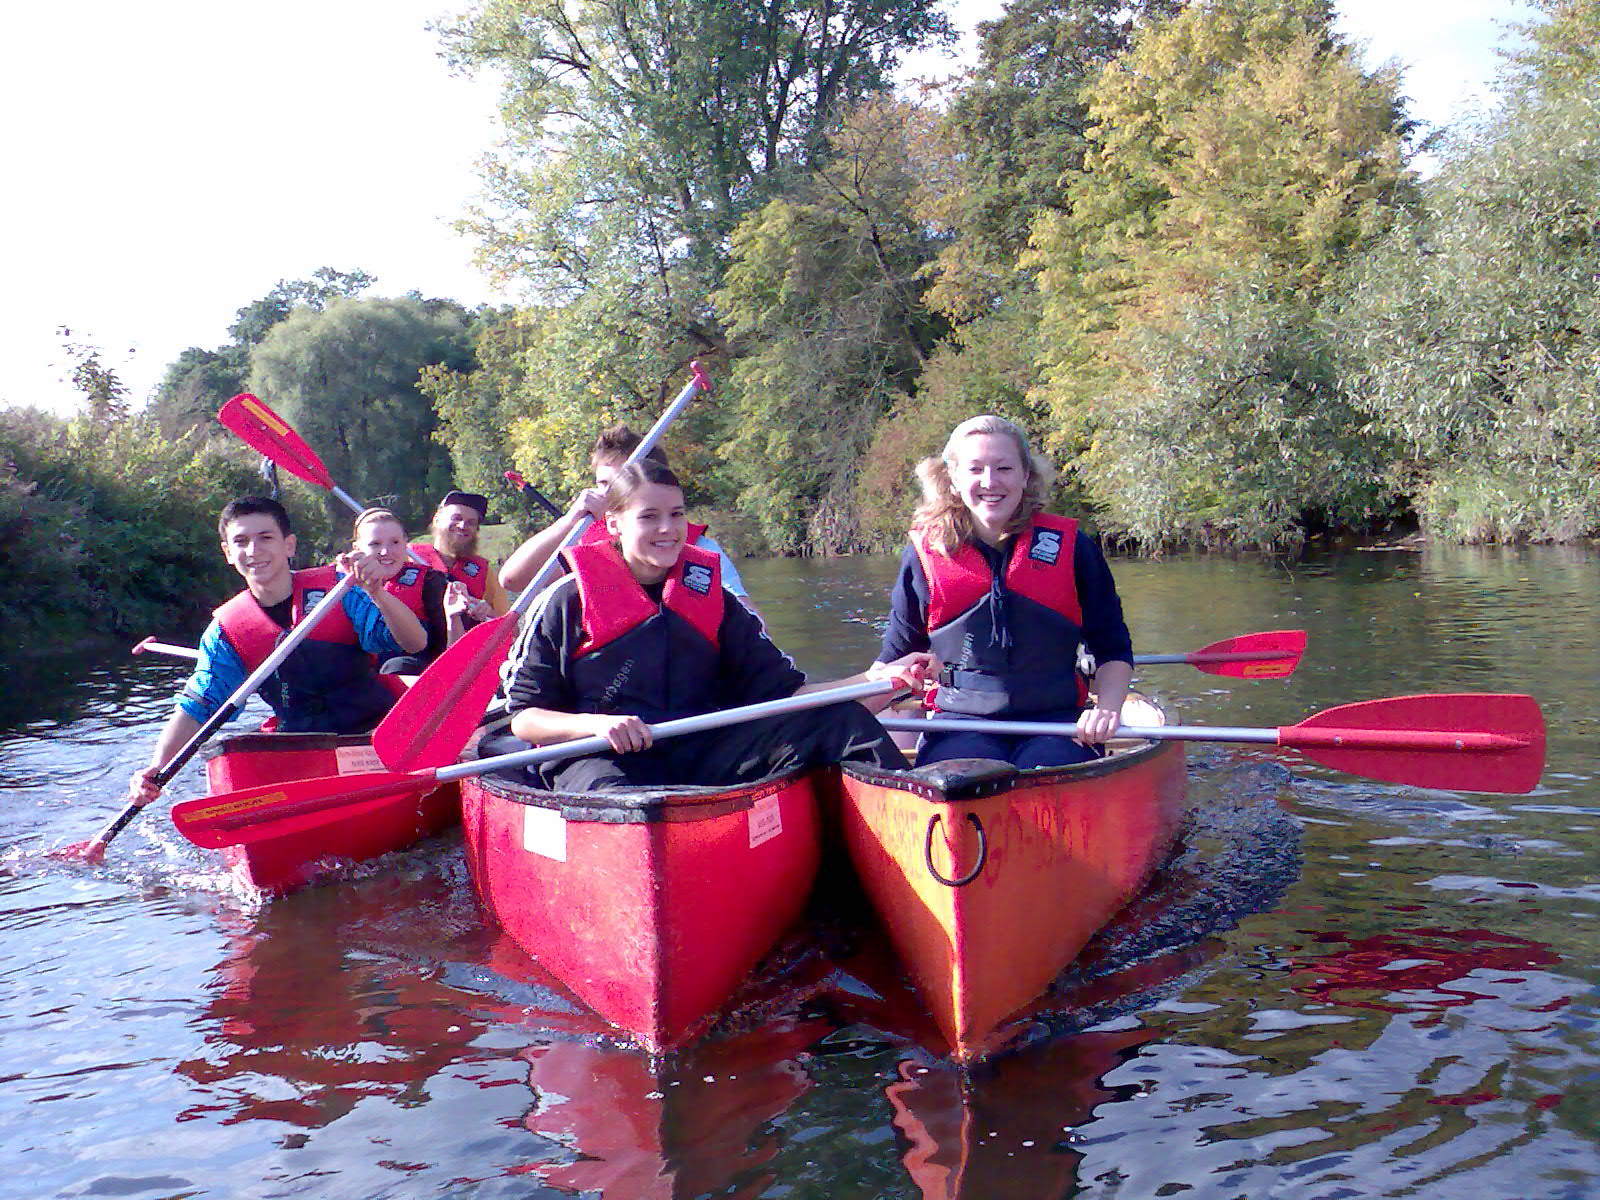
454 550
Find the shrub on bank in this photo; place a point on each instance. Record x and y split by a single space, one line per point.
108 528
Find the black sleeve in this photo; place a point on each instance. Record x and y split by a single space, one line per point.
536 673
1104 630
752 668
434 621
908 610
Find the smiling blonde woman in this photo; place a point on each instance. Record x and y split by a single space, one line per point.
1003 594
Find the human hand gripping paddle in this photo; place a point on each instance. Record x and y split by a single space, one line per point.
1271 655
435 718
274 810
95 850
264 431
1470 742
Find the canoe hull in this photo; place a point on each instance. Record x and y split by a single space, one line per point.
989 881
651 907
281 864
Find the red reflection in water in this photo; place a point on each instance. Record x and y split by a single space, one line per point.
1413 960
1000 1132
326 998
638 1131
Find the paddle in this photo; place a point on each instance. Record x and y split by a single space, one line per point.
533 493
273 810
1270 655
151 646
95 850
436 717
1471 742
265 432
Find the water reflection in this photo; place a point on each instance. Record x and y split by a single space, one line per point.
1337 989
326 998
621 1127
1005 1132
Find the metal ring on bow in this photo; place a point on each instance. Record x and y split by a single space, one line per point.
983 853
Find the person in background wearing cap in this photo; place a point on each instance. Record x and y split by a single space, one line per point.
454 550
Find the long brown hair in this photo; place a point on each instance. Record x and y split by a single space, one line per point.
944 518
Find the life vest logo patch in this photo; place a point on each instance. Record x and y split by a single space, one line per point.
314 597
1046 547
472 569
409 576
697 578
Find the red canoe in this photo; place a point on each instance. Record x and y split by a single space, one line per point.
650 906
281 864
989 880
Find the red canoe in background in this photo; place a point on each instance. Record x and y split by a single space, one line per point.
989 880
650 906
281 864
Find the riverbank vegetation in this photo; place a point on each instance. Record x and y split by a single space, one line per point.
1188 245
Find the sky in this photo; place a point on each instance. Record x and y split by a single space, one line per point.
168 162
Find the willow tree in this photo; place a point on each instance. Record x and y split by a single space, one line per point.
1473 331
198 382
1239 156
346 378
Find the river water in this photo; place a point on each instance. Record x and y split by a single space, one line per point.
1338 988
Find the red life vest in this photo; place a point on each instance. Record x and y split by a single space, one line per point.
615 604
597 532
1008 650
253 634
329 684
472 570
1040 568
407 585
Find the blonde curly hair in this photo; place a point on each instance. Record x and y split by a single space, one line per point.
942 515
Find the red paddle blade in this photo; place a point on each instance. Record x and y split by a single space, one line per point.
276 809
430 724
267 433
1271 655
93 852
1472 742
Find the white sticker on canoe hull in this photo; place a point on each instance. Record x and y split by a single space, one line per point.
766 820
544 832
355 760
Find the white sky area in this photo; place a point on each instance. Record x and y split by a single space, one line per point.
168 162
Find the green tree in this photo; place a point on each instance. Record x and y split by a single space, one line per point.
478 407
347 379
681 115
198 382
1472 331
824 301
1561 50
108 528
1022 121
637 139
1240 155
105 396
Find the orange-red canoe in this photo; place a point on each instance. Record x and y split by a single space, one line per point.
990 880
650 906
280 864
